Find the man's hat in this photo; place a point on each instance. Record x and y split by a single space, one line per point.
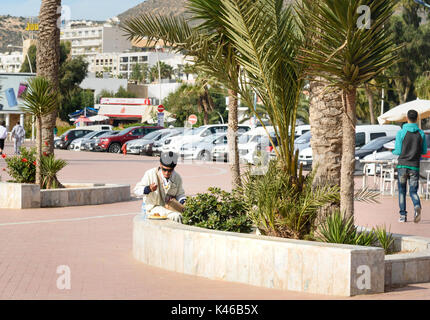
169 159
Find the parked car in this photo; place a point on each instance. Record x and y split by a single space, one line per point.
374 146
69 136
303 142
203 150
144 145
198 134
158 145
253 144
77 144
94 144
364 134
114 143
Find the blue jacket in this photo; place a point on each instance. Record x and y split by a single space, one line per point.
410 145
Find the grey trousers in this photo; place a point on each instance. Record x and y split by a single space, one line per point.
17 145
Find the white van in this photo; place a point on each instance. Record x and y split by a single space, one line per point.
300 130
97 127
363 135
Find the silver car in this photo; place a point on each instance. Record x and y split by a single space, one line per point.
203 150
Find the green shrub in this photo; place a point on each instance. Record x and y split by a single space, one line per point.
22 167
217 210
50 167
61 130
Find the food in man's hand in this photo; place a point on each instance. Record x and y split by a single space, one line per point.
156 214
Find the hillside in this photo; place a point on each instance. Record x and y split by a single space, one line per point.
162 7
11 29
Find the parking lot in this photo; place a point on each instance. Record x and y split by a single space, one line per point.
96 241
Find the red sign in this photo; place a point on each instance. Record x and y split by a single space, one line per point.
192 119
160 108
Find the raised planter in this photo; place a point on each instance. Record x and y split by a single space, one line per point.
271 262
24 196
407 268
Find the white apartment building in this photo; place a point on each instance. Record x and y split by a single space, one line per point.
89 40
128 60
106 62
11 62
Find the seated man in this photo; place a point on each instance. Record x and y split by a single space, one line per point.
159 185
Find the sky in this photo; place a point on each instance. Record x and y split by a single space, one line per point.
80 9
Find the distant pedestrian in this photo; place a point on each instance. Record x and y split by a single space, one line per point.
18 133
410 145
3 135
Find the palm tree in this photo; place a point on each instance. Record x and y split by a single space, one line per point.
347 56
48 61
210 48
40 99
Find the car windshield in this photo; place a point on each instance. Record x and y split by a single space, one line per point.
377 143
210 138
244 138
193 131
126 130
89 135
152 135
109 133
304 138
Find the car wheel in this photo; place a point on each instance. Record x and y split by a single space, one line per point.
205 156
114 148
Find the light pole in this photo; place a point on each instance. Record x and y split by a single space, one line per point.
159 73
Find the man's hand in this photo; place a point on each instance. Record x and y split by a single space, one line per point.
153 187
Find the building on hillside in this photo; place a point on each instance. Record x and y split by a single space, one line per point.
89 39
11 62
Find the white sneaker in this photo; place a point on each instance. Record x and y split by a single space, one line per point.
417 217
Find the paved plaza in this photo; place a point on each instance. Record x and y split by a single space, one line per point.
95 242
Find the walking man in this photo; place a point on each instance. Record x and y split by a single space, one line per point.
18 133
410 145
3 135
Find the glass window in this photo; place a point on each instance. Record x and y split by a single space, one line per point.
377 135
138 132
360 139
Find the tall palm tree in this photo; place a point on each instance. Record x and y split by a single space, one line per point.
208 45
40 99
347 56
48 62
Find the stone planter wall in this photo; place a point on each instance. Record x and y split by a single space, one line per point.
287 264
24 196
19 195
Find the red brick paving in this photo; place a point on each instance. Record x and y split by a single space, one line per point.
96 241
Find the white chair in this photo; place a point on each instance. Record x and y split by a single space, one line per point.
388 176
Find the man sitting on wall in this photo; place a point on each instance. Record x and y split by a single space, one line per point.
162 190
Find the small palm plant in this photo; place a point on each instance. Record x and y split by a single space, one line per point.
40 100
50 167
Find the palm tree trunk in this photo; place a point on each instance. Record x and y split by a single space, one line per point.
233 151
348 153
325 116
371 100
38 151
48 60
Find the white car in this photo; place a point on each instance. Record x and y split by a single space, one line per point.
196 135
252 145
203 150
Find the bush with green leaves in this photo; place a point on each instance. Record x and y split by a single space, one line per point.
280 206
22 167
217 210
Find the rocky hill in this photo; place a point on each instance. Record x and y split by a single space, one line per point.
11 31
162 7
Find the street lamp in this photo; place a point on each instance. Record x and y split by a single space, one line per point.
159 73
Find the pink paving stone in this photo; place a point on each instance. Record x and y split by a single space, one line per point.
98 250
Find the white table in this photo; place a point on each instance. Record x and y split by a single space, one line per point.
385 167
